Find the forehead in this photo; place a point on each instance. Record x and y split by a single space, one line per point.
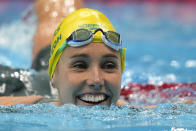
93 49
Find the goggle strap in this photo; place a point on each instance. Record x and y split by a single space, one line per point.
63 46
123 52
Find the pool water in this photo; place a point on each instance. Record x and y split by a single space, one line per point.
174 117
161 43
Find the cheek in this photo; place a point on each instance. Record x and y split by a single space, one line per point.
115 79
68 79
73 78
65 80
114 85
67 85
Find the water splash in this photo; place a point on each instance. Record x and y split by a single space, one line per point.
70 117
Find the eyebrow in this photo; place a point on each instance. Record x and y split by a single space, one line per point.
110 55
87 56
80 55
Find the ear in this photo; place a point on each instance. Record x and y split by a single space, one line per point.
52 81
53 88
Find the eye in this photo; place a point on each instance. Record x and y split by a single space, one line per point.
80 66
109 66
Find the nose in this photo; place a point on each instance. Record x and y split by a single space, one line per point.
95 79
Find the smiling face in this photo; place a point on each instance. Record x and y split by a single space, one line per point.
88 75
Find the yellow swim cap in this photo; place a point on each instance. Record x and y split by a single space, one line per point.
80 19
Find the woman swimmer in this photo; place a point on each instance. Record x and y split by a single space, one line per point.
87 61
85 64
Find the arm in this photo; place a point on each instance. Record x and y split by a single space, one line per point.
122 102
9 100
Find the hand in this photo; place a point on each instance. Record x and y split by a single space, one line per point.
121 102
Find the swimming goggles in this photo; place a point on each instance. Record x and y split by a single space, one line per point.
82 37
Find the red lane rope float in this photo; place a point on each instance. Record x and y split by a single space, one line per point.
166 90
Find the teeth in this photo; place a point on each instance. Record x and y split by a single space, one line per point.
92 98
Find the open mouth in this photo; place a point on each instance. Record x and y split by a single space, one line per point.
94 99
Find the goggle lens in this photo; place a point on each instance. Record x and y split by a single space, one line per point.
113 36
81 35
